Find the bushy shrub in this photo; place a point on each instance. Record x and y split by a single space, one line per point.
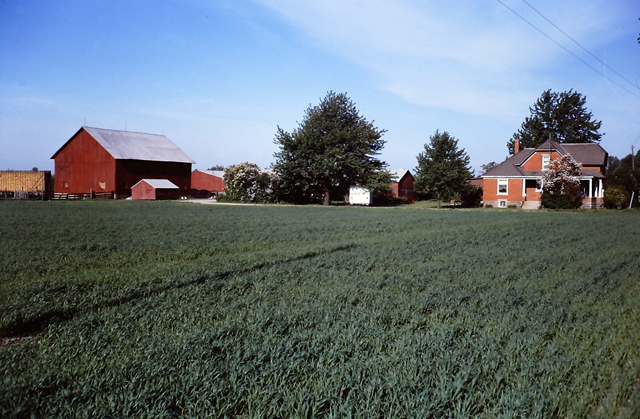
246 182
400 200
472 197
615 197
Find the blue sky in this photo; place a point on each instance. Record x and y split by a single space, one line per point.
218 77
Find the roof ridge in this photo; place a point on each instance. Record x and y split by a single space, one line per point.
121 130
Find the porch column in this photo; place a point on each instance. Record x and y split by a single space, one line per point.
601 194
590 188
524 189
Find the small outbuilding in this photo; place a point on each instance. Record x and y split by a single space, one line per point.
359 195
25 182
402 184
155 189
205 183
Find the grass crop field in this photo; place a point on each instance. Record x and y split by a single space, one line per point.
167 309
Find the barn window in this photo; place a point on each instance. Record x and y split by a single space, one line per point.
103 185
66 184
503 186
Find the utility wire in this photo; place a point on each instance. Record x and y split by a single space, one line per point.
576 42
564 48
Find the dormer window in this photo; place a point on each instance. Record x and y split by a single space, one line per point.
546 160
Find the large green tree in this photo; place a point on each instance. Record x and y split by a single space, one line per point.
333 149
443 170
562 117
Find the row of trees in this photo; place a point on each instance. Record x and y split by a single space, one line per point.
334 148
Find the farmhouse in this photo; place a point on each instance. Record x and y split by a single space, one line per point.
155 189
207 182
402 185
517 180
103 160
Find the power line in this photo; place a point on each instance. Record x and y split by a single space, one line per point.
564 48
576 42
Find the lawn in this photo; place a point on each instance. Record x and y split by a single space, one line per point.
168 309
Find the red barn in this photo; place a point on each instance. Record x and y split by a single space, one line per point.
402 184
155 189
207 182
103 160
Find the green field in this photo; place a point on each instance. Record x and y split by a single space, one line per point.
167 309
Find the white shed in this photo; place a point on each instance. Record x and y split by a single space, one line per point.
359 195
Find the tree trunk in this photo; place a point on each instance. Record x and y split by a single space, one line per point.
438 201
326 199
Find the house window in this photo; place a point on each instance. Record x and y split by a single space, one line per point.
502 203
503 186
546 159
538 185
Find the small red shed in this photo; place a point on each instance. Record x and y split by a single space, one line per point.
402 185
207 182
155 189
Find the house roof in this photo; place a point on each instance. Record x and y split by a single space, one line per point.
588 154
127 145
159 183
510 167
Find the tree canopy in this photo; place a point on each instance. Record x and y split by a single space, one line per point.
562 117
333 149
443 170
486 167
624 174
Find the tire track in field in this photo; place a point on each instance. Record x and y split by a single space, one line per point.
30 327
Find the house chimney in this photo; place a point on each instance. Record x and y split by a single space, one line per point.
516 146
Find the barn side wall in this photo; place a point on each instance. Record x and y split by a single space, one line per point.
83 166
205 182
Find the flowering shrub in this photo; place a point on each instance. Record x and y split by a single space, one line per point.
561 187
246 182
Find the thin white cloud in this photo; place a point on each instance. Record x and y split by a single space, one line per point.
470 57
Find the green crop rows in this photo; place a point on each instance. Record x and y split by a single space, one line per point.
165 309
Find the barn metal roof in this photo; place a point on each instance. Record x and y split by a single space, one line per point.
398 174
216 173
127 145
159 183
